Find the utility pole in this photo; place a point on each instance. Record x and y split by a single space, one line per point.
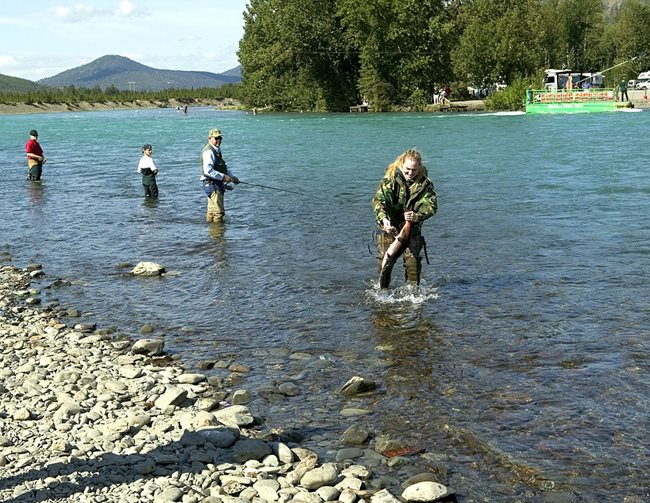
131 86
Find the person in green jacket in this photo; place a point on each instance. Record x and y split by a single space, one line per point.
623 91
405 194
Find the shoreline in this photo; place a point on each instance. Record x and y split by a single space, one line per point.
84 106
637 98
91 415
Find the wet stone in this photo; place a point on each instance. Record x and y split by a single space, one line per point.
77 405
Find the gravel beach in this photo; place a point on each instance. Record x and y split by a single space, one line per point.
89 415
84 106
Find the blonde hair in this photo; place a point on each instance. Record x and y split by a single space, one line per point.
399 161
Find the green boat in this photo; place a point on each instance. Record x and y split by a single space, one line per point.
573 101
567 92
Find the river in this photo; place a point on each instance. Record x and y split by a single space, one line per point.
524 355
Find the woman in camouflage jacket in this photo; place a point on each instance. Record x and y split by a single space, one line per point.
404 194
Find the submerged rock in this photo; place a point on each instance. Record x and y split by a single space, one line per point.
357 385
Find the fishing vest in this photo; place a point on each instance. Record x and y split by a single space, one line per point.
219 164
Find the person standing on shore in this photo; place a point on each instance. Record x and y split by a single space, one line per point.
623 89
405 196
215 176
35 157
147 168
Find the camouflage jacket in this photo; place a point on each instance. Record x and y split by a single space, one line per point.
394 196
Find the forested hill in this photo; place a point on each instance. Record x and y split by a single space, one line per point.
125 74
16 85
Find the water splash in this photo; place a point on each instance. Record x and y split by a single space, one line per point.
405 294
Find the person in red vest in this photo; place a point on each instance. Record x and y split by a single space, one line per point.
35 156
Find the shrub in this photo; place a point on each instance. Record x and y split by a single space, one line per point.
511 98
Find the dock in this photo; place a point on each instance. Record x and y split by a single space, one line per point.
359 108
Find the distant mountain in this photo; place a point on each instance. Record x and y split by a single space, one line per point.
16 85
124 73
233 72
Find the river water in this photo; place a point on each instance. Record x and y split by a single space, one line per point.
520 366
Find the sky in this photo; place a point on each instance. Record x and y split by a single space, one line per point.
46 37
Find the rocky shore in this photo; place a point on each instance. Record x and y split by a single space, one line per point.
89 415
83 106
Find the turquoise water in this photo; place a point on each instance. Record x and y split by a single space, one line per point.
524 356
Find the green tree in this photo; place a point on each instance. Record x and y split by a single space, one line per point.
501 40
627 39
580 24
403 47
292 58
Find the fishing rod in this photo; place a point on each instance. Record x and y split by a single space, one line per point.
272 188
612 67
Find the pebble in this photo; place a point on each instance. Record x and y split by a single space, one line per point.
86 416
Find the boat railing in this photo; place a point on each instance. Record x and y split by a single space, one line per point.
570 96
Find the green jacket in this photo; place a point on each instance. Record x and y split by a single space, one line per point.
394 196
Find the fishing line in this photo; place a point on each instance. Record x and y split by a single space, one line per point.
272 188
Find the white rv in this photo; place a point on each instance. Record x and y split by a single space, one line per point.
643 81
557 79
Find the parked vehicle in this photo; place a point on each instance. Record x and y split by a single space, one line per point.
557 79
642 81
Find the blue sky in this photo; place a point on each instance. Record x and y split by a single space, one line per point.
43 38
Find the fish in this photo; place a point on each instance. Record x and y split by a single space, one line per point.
395 251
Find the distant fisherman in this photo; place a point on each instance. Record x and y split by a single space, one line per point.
214 176
35 156
405 198
147 168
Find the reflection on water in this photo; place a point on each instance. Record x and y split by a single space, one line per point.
149 202
36 192
217 244
217 231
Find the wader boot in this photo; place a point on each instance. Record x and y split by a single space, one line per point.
35 171
384 241
150 187
413 261
215 207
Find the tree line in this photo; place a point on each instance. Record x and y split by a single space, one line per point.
325 55
72 94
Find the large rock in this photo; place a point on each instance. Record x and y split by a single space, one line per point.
325 475
150 347
250 448
383 496
147 269
425 491
357 385
219 436
354 435
172 396
235 415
